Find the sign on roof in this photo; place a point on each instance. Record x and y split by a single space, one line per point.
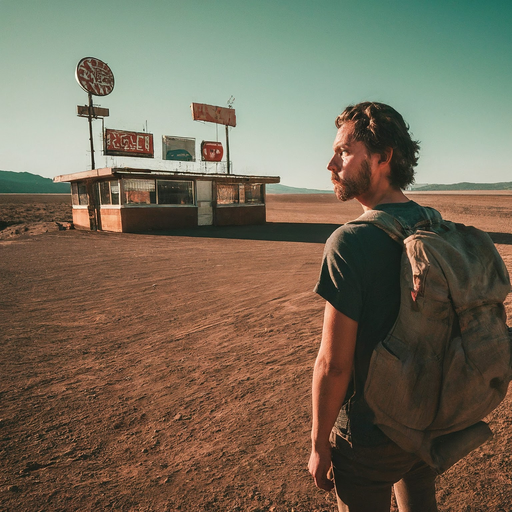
121 143
94 76
178 148
211 151
213 114
83 111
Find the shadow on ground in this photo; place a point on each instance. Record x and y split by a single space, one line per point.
272 231
281 232
501 238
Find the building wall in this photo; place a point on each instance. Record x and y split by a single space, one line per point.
144 218
140 219
81 218
239 215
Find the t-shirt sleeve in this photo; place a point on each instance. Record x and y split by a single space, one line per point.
340 282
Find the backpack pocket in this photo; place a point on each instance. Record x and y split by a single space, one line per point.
476 377
401 387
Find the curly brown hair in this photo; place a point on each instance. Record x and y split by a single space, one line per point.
380 127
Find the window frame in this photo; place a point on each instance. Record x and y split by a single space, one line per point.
241 193
110 204
133 204
190 184
156 204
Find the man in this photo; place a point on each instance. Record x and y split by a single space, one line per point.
373 162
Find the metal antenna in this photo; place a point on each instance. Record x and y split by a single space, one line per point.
230 105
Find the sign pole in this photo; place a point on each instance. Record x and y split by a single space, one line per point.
91 192
90 130
227 147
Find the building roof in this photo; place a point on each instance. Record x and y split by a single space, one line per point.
119 172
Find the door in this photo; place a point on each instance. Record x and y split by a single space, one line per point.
204 203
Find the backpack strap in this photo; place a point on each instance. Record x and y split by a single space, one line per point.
396 229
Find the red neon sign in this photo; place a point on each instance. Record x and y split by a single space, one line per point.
121 143
94 76
213 114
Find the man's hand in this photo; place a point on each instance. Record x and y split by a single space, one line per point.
331 376
320 467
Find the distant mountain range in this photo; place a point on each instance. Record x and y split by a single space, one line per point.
28 183
276 188
504 185
424 187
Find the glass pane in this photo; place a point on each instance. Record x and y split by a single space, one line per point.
253 194
227 194
139 192
82 194
114 191
175 192
104 192
74 193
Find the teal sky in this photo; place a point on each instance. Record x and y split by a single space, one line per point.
446 66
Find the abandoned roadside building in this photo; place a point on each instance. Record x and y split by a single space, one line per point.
140 200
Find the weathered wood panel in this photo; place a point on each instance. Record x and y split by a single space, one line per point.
111 219
239 215
140 219
81 218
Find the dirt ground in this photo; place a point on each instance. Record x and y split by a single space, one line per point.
167 372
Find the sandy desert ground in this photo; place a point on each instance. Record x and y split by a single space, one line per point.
166 372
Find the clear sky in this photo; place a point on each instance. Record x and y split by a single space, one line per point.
292 66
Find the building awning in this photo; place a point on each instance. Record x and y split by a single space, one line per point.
120 172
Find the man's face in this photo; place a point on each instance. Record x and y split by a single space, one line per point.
350 166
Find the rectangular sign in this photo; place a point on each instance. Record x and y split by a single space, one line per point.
213 114
83 111
178 148
121 143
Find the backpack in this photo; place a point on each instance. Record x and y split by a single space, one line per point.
446 363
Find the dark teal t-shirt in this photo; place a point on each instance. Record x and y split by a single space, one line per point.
360 277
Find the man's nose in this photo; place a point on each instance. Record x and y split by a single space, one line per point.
333 164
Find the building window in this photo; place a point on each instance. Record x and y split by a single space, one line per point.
139 191
79 194
253 194
228 194
74 194
104 187
115 192
175 192
242 193
109 192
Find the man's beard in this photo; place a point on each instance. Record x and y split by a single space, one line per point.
346 189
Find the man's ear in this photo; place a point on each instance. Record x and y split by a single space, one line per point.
386 156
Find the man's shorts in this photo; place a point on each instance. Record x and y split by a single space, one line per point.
364 476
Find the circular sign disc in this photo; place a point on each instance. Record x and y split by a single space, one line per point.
95 76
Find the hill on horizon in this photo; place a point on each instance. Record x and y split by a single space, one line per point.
504 185
27 183
424 187
275 188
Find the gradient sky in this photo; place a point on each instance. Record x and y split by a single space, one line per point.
292 66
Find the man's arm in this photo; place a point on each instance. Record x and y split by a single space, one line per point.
331 377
